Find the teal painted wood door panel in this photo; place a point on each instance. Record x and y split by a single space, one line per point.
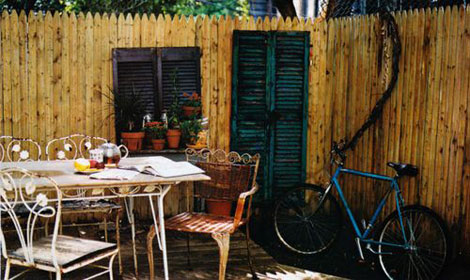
269 104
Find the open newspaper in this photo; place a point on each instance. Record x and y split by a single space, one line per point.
164 167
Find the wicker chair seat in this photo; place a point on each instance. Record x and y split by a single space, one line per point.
200 223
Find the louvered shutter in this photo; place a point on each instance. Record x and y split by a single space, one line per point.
249 104
269 104
182 63
291 51
137 68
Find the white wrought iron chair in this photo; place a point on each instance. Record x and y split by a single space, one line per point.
19 149
40 199
72 147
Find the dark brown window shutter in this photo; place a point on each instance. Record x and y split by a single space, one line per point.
137 68
184 62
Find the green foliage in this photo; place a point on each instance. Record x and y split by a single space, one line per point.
190 130
171 7
174 111
158 132
210 7
128 110
36 5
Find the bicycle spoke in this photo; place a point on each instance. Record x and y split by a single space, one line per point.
303 229
426 255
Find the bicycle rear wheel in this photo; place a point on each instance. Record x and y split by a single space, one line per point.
427 237
302 224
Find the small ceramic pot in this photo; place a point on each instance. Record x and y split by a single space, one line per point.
158 144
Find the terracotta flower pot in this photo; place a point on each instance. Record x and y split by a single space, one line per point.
189 111
158 144
133 140
173 136
219 207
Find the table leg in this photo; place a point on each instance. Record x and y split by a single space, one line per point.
161 226
131 218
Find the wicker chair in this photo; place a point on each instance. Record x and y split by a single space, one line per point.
19 193
19 149
233 178
73 147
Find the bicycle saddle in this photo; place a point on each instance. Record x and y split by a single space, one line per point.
404 169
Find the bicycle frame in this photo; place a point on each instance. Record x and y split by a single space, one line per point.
363 236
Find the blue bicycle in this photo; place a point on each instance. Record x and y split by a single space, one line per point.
411 243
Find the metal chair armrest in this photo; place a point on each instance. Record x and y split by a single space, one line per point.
241 205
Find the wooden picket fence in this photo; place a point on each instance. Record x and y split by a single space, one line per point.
54 69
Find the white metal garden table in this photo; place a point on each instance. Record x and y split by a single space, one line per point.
142 185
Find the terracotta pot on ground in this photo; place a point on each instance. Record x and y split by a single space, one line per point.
133 140
173 136
158 144
189 110
219 207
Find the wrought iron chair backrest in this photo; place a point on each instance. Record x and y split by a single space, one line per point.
19 149
76 146
23 203
231 173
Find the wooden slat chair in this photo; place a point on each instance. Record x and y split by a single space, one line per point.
19 149
54 253
78 146
233 178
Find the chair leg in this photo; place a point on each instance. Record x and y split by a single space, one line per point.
110 267
105 225
118 241
150 237
7 270
223 240
250 261
58 276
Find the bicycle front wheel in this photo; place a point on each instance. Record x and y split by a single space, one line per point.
304 225
428 246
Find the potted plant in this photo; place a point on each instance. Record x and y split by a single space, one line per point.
173 134
149 133
129 112
190 131
191 105
158 137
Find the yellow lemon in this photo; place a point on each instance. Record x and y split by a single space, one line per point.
81 164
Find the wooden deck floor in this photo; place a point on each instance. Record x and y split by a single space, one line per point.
204 261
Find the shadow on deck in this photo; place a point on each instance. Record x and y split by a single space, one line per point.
204 259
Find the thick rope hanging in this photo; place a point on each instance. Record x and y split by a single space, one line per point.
391 29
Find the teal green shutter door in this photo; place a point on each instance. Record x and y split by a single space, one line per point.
269 104
248 132
288 156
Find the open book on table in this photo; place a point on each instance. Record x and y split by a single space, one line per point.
164 167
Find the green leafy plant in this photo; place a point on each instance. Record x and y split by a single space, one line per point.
128 109
190 130
158 132
174 111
